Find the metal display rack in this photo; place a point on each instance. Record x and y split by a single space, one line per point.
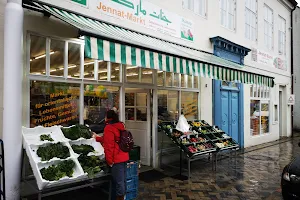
30 181
204 135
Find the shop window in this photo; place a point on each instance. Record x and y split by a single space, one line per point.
115 72
160 78
136 106
168 105
176 80
169 77
97 100
189 105
147 75
57 57
53 104
74 60
183 80
190 82
196 82
259 110
89 68
102 70
37 55
132 73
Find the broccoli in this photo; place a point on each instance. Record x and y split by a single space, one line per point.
46 137
56 172
83 149
91 164
53 150
76 132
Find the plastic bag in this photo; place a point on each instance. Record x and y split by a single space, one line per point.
182 124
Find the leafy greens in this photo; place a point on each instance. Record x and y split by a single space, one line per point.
56 172
76 132
46 137
91 164
83 149
53 150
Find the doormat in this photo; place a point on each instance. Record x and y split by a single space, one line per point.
151 176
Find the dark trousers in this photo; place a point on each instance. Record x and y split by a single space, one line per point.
118 173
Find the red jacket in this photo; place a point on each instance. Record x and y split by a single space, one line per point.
113 153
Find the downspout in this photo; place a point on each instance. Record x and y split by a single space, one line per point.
292 67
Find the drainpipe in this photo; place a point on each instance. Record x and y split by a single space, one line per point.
12 97
292 68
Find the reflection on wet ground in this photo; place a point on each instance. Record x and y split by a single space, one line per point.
253 175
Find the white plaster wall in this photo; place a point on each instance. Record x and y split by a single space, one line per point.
2 6
205 28
296 44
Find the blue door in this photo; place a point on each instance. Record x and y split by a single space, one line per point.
227 109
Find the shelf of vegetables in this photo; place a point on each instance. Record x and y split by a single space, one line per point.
201 139
61 155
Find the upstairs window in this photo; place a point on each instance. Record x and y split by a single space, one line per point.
281 36
196 6
228 10
269 27
251 20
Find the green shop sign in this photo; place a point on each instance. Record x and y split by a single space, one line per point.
81 2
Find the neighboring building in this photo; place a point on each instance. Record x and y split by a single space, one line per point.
296 71
211 59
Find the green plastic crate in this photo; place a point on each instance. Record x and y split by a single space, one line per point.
135 153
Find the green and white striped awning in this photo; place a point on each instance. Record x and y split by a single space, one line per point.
115 44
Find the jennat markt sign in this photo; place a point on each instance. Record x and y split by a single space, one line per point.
139 12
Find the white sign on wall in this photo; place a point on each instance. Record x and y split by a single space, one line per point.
291 99
265 58
138 12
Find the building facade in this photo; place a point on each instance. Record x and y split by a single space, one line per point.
129 60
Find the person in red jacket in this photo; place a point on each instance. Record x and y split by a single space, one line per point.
115 157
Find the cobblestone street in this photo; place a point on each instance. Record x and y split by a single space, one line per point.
255 174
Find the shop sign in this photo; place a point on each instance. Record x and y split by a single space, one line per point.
291 100
264 58
80 2
139 12
280 64
144 13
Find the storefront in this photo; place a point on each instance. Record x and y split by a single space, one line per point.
147 80
72 78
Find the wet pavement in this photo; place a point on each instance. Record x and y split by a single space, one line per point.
255 174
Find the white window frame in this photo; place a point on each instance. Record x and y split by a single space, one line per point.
261 94
252 12
281 36
198 7
268 23
227 14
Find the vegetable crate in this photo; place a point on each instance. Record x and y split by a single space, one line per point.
132 180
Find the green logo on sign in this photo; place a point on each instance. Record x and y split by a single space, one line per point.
82 2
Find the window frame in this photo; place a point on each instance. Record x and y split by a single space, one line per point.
251 14
283 32
186 6
227 14
269 24
261 94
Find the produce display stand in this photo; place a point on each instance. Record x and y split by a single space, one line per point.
30 181
62 159
203 140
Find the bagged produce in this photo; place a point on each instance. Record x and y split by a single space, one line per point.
182 124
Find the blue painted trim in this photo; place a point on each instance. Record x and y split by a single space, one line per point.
242 116
217 103
228 50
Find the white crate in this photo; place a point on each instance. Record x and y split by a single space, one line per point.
99 150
